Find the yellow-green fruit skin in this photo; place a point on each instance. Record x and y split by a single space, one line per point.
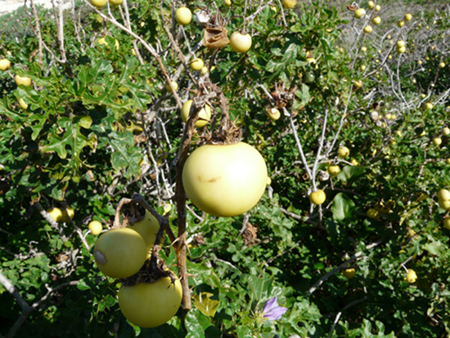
96 227
5 64
240 43
288 4
349 273
120 253
225 180
183 16
204 114
148 228
149 305
318 197
115 2
26 81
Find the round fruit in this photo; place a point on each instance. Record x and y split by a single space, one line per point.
377 8
441 65
96 227
269 181
443 195
359 13
183 16
273 114
437 141
225 180
5 64
174 85
401 50
98 3
445 131
204 70
400 23
56 214
411 276
333 170
372 213
196 64
371 4
447 223
102 41
444 204
120 253
376 20
66 214
448 161
26 81
115 2
357 84
400 44
343 152
148 228
240 43
22 104
408 17
309 77
228 2
354 162
349 273
150 305
317 197
167 208
203 116
363 49
288 4
428 105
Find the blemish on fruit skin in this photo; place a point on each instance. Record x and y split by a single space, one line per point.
212 180
99 257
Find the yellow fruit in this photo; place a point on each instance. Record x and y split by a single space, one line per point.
167 207
411 276
446 222
317 197
359 13
368 29
22 104
334 170
288 4
437 141
372 213
377 8
408 17
357 84
204 70
5 64
225 180
228 2
441 65
400 23
120 253
115 2
343 152
203 116
26 81
363 49
354 162
174 85
96 227
376 20
401 50
273 114
148 228
150 305
240 43
370 4
444 204
443 195
56 214
269 181
98 3
183 16
102 41
196 64
349 273
445 131
428 105
400 43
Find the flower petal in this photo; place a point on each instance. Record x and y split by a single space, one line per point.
270 304
275 313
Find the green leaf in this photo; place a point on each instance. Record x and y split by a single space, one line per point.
343 207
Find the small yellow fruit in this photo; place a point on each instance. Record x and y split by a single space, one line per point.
288 4
359 13
240 43
354 162
22 104
357 84
115 2
445 131
96 227
269 181
368 29
273 114
349 273
376 20
56 214
203 116
428 105
411 276
228 2
102 41
334 170
408 17
343 152
174 85
183 16
148 228
401 50
437 141
446 222
363 67
400 44
400 23
5 64
377 8
411 233
363 49
444 204
317 197
371 4
167 208
204 70
67 215
372 213
441 65
443 195
26 81
196 64
98 3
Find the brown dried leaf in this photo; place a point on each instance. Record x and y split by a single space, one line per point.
214 38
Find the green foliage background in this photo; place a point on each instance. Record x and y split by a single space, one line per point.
101 127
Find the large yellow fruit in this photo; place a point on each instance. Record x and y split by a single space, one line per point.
26 81
343 152
148 228
5 64
225 180
443 195
151 304
359 13
120 253
240 43
183 16
196 64
204 114
317 197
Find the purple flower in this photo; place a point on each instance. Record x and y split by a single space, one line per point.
272 311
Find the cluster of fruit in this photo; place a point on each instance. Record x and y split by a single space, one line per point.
121 253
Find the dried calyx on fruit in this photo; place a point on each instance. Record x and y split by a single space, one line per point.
215 34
